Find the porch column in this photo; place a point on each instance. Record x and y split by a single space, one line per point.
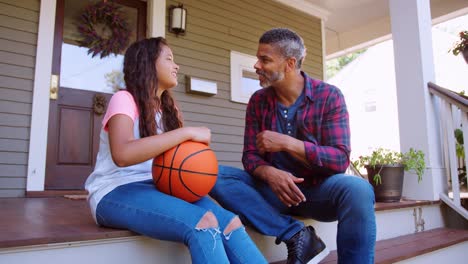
156 18
414 68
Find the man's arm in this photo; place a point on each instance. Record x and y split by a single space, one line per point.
333 152
282 183
334 149
251 158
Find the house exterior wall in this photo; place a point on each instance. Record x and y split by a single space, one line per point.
214 28
18 37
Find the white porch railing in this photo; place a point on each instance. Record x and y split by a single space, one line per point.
453 115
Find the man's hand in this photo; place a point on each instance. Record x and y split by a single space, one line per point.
269 141
284 186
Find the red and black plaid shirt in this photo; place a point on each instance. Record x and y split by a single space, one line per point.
321 121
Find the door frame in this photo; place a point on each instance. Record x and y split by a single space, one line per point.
156 26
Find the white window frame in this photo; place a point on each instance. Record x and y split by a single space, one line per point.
240 62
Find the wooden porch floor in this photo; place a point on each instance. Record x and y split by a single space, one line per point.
36 221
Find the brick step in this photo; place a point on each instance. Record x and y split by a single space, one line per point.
408 246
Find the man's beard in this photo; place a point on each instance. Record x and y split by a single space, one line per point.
269 79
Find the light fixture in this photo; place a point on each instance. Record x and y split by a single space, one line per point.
177 19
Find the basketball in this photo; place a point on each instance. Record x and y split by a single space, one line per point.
187 171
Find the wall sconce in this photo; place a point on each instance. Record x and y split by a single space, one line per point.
177 19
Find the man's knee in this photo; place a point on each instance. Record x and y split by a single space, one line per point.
228 172
357 190
361 195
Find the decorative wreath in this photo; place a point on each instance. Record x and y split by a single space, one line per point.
103 29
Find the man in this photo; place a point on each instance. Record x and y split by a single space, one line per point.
296 148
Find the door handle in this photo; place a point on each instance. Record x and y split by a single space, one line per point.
54 87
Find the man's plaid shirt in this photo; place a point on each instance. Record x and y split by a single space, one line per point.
322 124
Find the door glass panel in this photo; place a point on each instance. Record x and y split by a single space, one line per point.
81 71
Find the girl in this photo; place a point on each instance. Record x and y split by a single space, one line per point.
141 123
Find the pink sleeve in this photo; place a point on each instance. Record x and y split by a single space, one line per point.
121 103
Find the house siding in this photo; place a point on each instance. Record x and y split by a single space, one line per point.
18 38
214 28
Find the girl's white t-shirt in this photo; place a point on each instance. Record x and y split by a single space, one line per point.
107 175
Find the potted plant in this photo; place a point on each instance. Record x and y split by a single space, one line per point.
461 46
386 168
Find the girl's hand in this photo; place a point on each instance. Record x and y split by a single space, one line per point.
200 134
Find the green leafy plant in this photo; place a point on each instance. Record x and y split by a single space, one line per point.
412 160
460 151
462 44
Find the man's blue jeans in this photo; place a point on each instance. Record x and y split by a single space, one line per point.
140 207
345 198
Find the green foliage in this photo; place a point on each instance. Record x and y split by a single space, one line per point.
460 151
115 80
336 64
459 143
413 160
462 44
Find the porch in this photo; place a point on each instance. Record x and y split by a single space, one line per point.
59 230
64 228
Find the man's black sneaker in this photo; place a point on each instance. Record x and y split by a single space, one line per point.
305 247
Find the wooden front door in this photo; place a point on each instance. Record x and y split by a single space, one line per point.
85 85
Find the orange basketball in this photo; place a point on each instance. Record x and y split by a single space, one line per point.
187 171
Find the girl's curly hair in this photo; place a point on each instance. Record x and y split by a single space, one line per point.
140 75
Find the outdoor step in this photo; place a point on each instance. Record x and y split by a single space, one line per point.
409 246
65 226
392 220
35 221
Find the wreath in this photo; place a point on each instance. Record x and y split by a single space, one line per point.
103 29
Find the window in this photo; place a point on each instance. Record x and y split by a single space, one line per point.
244 80
80 70
370 106
370 102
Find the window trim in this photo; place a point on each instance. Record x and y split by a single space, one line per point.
240 62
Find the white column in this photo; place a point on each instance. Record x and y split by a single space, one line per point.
156 18
40 102
324 50
414 68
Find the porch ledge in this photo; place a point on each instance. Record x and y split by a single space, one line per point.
37 221
403 204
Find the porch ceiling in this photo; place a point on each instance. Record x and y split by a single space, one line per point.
352 25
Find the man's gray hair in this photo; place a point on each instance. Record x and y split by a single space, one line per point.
289 43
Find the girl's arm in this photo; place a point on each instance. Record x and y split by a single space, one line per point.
127 151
